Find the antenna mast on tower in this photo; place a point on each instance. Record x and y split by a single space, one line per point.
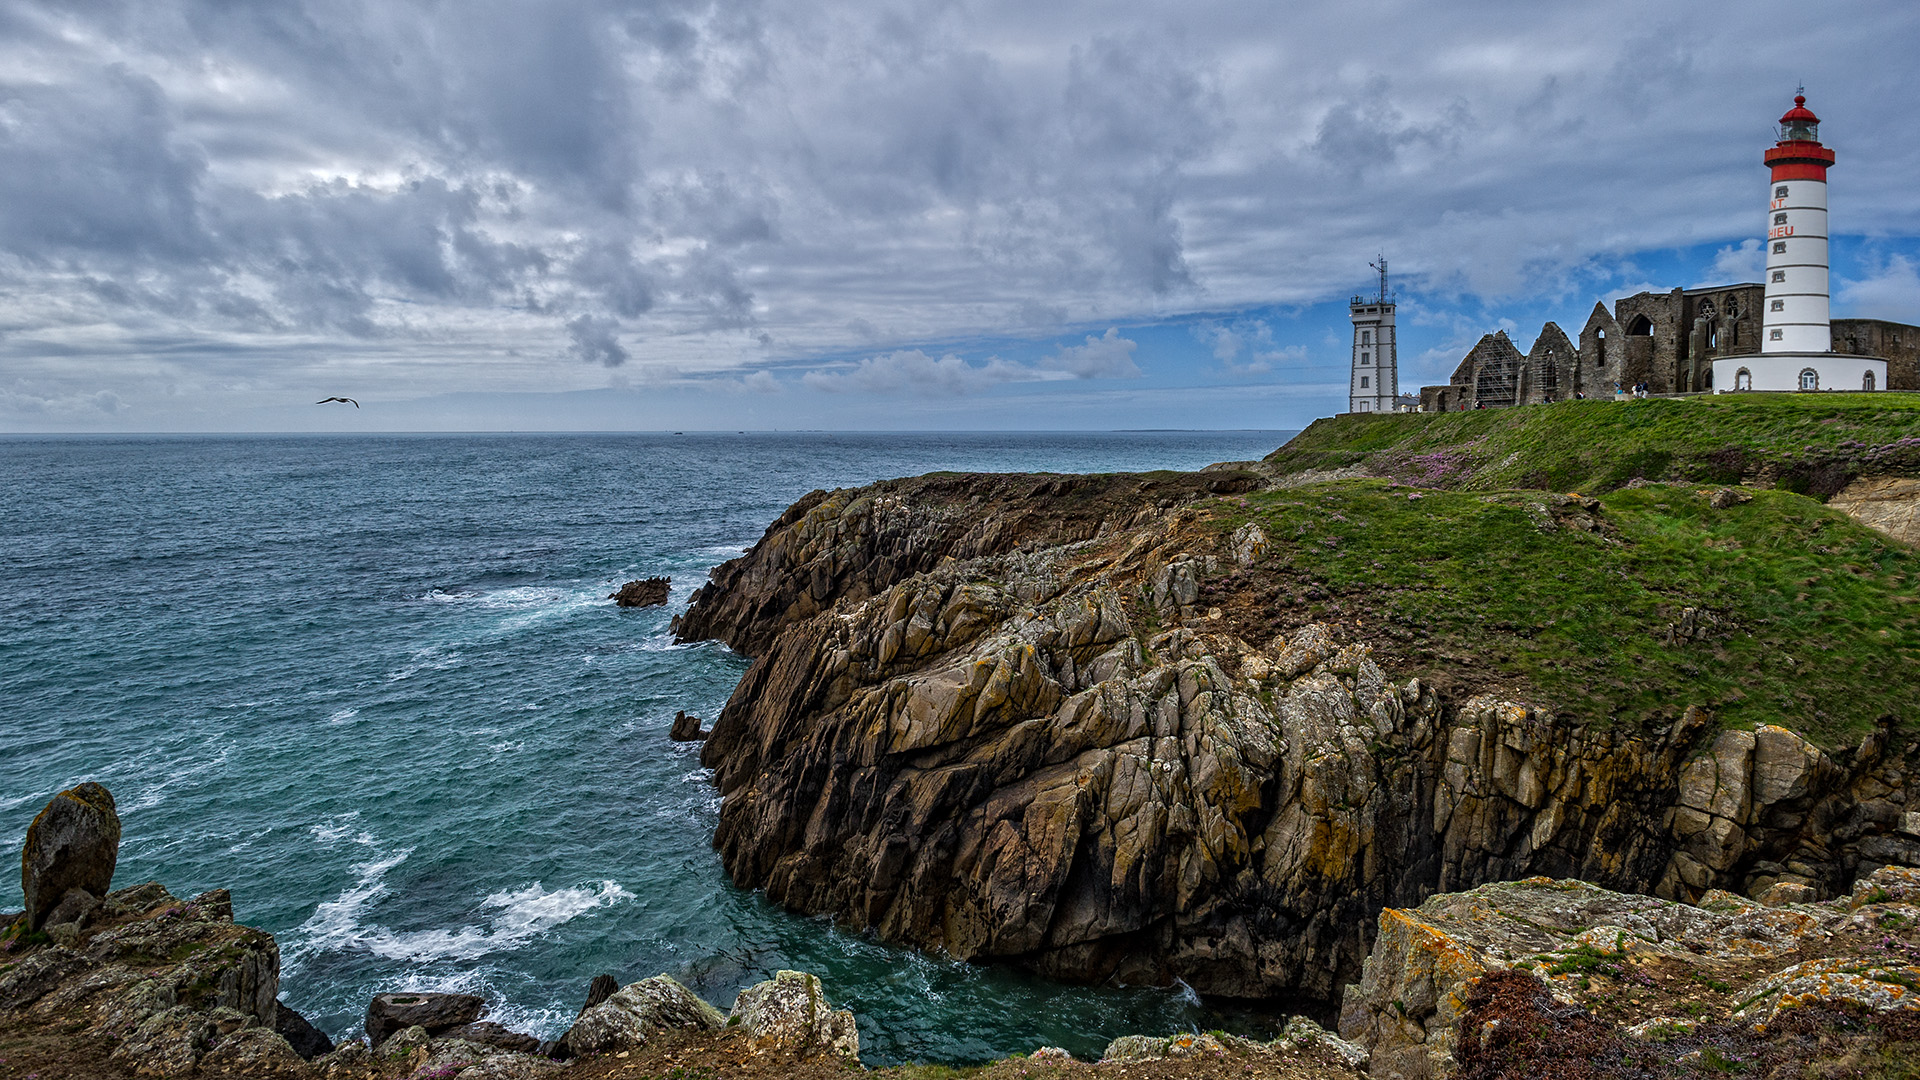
1382 267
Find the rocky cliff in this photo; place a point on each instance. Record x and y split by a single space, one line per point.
1035 719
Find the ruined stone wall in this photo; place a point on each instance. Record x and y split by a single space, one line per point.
1899 343
1551 366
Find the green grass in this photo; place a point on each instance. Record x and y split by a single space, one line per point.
1811 443
1817 625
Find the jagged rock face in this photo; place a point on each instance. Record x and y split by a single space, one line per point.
72 844
171 985
1029 742
1594 947
847 545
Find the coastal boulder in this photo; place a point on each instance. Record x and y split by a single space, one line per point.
390 1013
648 592
637 1012
790 1012
72 844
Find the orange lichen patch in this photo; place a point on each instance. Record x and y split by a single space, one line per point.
1881 987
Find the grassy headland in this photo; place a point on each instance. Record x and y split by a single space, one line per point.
1810 443
1473 561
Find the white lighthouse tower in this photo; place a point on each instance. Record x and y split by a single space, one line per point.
1375 382
1796 339
1797 316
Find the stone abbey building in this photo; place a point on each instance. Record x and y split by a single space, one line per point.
1666 340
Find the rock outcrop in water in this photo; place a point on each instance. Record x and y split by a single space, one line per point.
1004 717
646 592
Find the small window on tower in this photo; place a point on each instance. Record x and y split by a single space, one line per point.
1776 334
1366 337
1366 358
1779 219
1780 192
1779 247
1779 276
1777 305
1363 382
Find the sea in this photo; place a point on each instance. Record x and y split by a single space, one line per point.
375 686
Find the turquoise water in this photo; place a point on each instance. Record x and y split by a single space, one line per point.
374 686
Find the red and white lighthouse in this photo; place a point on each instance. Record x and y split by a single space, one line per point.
1796 336
1797 318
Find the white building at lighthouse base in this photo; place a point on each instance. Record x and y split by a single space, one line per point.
1799 371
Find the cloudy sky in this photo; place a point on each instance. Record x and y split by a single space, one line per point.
941 214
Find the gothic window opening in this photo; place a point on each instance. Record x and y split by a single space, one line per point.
1743 379
1867 383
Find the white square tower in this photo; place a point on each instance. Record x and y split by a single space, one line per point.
1375 384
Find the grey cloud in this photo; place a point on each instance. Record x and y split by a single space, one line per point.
92 170
527 180
596 341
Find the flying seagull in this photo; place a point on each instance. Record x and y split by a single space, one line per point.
347 400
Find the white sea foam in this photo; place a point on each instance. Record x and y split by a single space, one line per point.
337 827
521 915
341 716
335 923
428 659
1187 995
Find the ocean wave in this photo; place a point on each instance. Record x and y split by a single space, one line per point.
335 923
338 827
523 914
341 716
155 794
428 659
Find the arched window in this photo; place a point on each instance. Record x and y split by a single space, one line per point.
1867 383
1809 379
1743 379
